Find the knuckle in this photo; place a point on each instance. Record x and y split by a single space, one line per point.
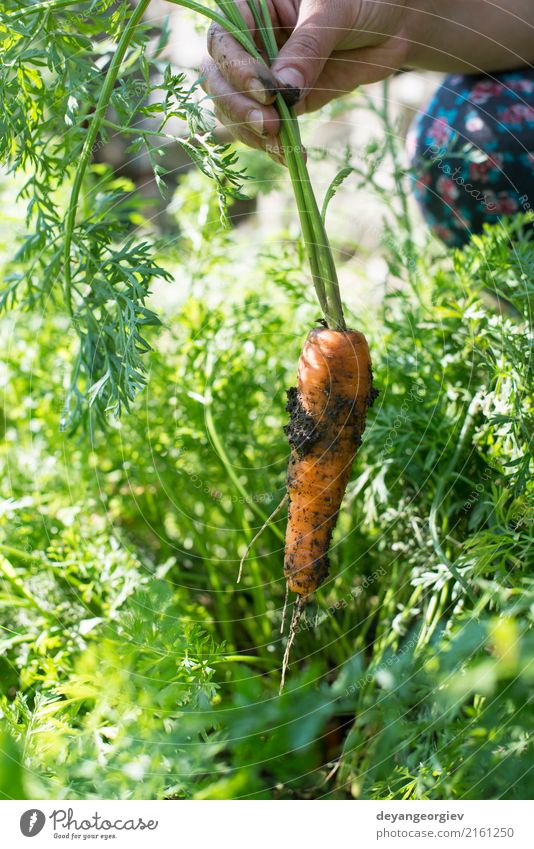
307 42
215 34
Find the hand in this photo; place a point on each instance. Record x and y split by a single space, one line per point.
327 48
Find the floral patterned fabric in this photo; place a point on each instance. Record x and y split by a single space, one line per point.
472 152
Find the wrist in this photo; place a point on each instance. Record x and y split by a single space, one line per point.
420 35
444 38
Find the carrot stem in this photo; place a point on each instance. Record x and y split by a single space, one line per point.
316 242
318 247
315 237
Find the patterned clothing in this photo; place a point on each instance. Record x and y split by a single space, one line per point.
472 151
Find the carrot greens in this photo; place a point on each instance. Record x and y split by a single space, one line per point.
62 104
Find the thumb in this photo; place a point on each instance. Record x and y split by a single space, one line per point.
319 27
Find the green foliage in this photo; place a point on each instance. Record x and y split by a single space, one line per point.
131 664
134 667
100 248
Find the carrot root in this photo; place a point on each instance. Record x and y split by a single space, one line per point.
295 619
328 412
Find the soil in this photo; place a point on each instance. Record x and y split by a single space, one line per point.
302 432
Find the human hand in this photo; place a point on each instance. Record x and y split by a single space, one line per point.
327 48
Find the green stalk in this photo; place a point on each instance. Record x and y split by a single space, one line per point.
268 35
293 146
241 35
233 13
302 209
318 246
315 238
256 15
94 127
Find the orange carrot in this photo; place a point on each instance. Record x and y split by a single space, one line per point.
327 410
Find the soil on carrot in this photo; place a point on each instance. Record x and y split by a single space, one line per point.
302 432
305 433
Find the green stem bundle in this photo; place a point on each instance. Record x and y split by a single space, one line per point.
315 237
314 233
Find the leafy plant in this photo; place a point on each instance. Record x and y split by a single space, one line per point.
58 115
132 666
151 666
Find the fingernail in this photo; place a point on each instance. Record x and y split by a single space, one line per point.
268 82
254 121
256 88
293 83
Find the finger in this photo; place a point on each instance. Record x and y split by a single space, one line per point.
318 30
241 110
242 71
240 133
283 17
